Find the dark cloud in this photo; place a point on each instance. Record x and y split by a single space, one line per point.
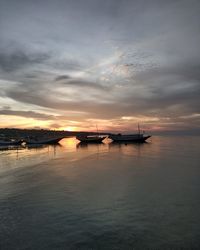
86 84
18 59
62 77
75 82
27 114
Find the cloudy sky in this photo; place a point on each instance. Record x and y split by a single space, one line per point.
72 64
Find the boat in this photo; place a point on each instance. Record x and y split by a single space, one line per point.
138 137
90 138
10 142
129 137
37 141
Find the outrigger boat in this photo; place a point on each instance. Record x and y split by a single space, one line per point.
10 142
96 138
139 137
37 141
129 138
90 138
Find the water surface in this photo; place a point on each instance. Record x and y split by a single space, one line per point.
101 196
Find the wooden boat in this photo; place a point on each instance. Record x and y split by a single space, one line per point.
139 137
90 138
37 141
129 137
10 142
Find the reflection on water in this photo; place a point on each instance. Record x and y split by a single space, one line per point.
21 156
17 157
133 149
101 196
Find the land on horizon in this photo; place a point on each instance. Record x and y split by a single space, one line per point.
21 133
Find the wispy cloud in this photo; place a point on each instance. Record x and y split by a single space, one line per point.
62 77
27 114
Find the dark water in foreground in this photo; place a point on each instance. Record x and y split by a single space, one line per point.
106 196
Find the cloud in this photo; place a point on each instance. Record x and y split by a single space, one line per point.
177 94
18 59
86 84
27 114
185 71
143 61
55 126
62 77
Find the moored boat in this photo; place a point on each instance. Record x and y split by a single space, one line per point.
90 138
138 137
43 140
10 142
129 137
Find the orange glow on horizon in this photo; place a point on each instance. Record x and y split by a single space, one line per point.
70 128
124 124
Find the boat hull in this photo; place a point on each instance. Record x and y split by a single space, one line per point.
10 143
39 142
90 139
129 138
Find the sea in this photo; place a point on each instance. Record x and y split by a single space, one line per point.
101 196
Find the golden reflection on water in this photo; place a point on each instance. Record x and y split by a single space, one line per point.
15 157
69 143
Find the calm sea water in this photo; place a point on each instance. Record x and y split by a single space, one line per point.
101 196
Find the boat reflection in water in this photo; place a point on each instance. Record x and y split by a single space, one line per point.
10 147
41 146
90 144
10 142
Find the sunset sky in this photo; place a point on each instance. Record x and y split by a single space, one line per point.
72 64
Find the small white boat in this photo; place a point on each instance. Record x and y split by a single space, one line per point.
43 140
90 138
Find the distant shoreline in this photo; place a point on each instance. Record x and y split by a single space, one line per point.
20 133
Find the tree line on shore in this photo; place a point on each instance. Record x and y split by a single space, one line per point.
22 133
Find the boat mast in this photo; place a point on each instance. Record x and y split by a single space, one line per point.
138 128
97 129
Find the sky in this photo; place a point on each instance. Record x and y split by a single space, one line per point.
75 65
